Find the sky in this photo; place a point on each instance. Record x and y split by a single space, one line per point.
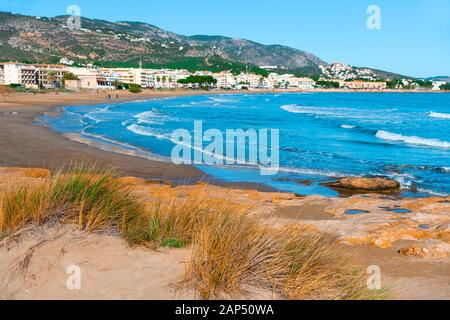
414 38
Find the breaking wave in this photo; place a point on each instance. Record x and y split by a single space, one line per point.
146 131
390 136
439 115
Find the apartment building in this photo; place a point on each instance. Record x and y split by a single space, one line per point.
91 79
225 80
363 85
253 81
302 83
50 76
32 76
127 75
16 73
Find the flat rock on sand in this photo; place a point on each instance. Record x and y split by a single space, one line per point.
34 266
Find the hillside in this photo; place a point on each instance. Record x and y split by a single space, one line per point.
124 43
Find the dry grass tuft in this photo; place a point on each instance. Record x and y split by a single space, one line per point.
93 199
232 253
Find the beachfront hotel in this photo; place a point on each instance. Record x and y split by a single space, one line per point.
31 76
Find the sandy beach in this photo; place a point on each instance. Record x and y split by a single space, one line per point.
420 272
26 145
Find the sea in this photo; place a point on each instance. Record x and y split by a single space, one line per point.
322 136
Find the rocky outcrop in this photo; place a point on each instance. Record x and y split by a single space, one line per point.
363 185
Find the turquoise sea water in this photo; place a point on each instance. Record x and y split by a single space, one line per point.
405 136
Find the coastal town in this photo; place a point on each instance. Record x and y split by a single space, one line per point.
90 77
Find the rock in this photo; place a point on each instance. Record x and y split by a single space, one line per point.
358 185
427 250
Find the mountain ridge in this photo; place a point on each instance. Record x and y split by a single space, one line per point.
42 39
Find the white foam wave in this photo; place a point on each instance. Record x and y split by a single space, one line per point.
347 126
225 100
433 193
324 111
439 115
314 172
372 116
91 116
145 131
153 117
406 180
390 136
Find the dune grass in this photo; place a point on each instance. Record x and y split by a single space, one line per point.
232 254
91 198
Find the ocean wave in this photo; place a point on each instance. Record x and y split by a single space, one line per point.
153 117
433 193
406 180
333 112
79 116
439 115
91 116
314 172
347 126
295 108
373 116
413 140
224 100
146 131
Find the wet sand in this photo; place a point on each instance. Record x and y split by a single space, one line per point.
23 144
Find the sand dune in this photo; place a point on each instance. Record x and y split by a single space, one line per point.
34 265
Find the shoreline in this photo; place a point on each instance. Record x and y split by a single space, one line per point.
376 236
23 143
40 146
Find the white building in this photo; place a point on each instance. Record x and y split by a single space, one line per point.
11 73
225 80
437 85
21 74
249 80
302 83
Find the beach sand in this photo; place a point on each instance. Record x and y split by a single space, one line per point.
23 144
127 273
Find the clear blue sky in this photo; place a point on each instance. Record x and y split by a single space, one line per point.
414 39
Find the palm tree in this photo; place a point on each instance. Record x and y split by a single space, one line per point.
51 77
